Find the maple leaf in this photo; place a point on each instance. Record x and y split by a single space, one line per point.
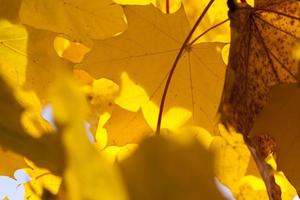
164 169
147 60
87 175
27 57
173 6
76 19
41 182
15 138
140 60
262 40
193 9
236 169
251 187
280 119
126 127
28 64
101 94
259 59
112 124
69 50
231 158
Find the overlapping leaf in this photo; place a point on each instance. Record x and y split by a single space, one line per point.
42 183
77 19
112 124
234 168
263 38
139 60
280 119
14 137
164 169
87 174
28 59
231 158
126 127
193 9
146 51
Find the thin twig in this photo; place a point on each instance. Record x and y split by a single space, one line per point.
184 45
206 31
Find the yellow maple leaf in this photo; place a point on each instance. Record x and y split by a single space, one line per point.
31 118
251 187
72 51
236 170
14 137
193 9
41 180
126 127
120 126
87 174
27 57
29 64
231 157
101 94
173 5
164 169
76 19
147 61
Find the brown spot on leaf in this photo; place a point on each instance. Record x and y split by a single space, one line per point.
265 145
260 56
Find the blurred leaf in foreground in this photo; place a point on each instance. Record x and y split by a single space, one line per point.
87 174
44 151
164 169
10 162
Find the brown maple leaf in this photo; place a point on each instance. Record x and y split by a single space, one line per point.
260 57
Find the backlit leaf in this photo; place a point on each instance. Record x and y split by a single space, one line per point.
147 60
76 19
28 59
87 174
231 158
14 137
164 169
262 40
126 127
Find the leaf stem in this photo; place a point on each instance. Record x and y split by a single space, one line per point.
167 6
183 47
206 31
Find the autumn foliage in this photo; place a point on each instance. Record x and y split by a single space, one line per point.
150 99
